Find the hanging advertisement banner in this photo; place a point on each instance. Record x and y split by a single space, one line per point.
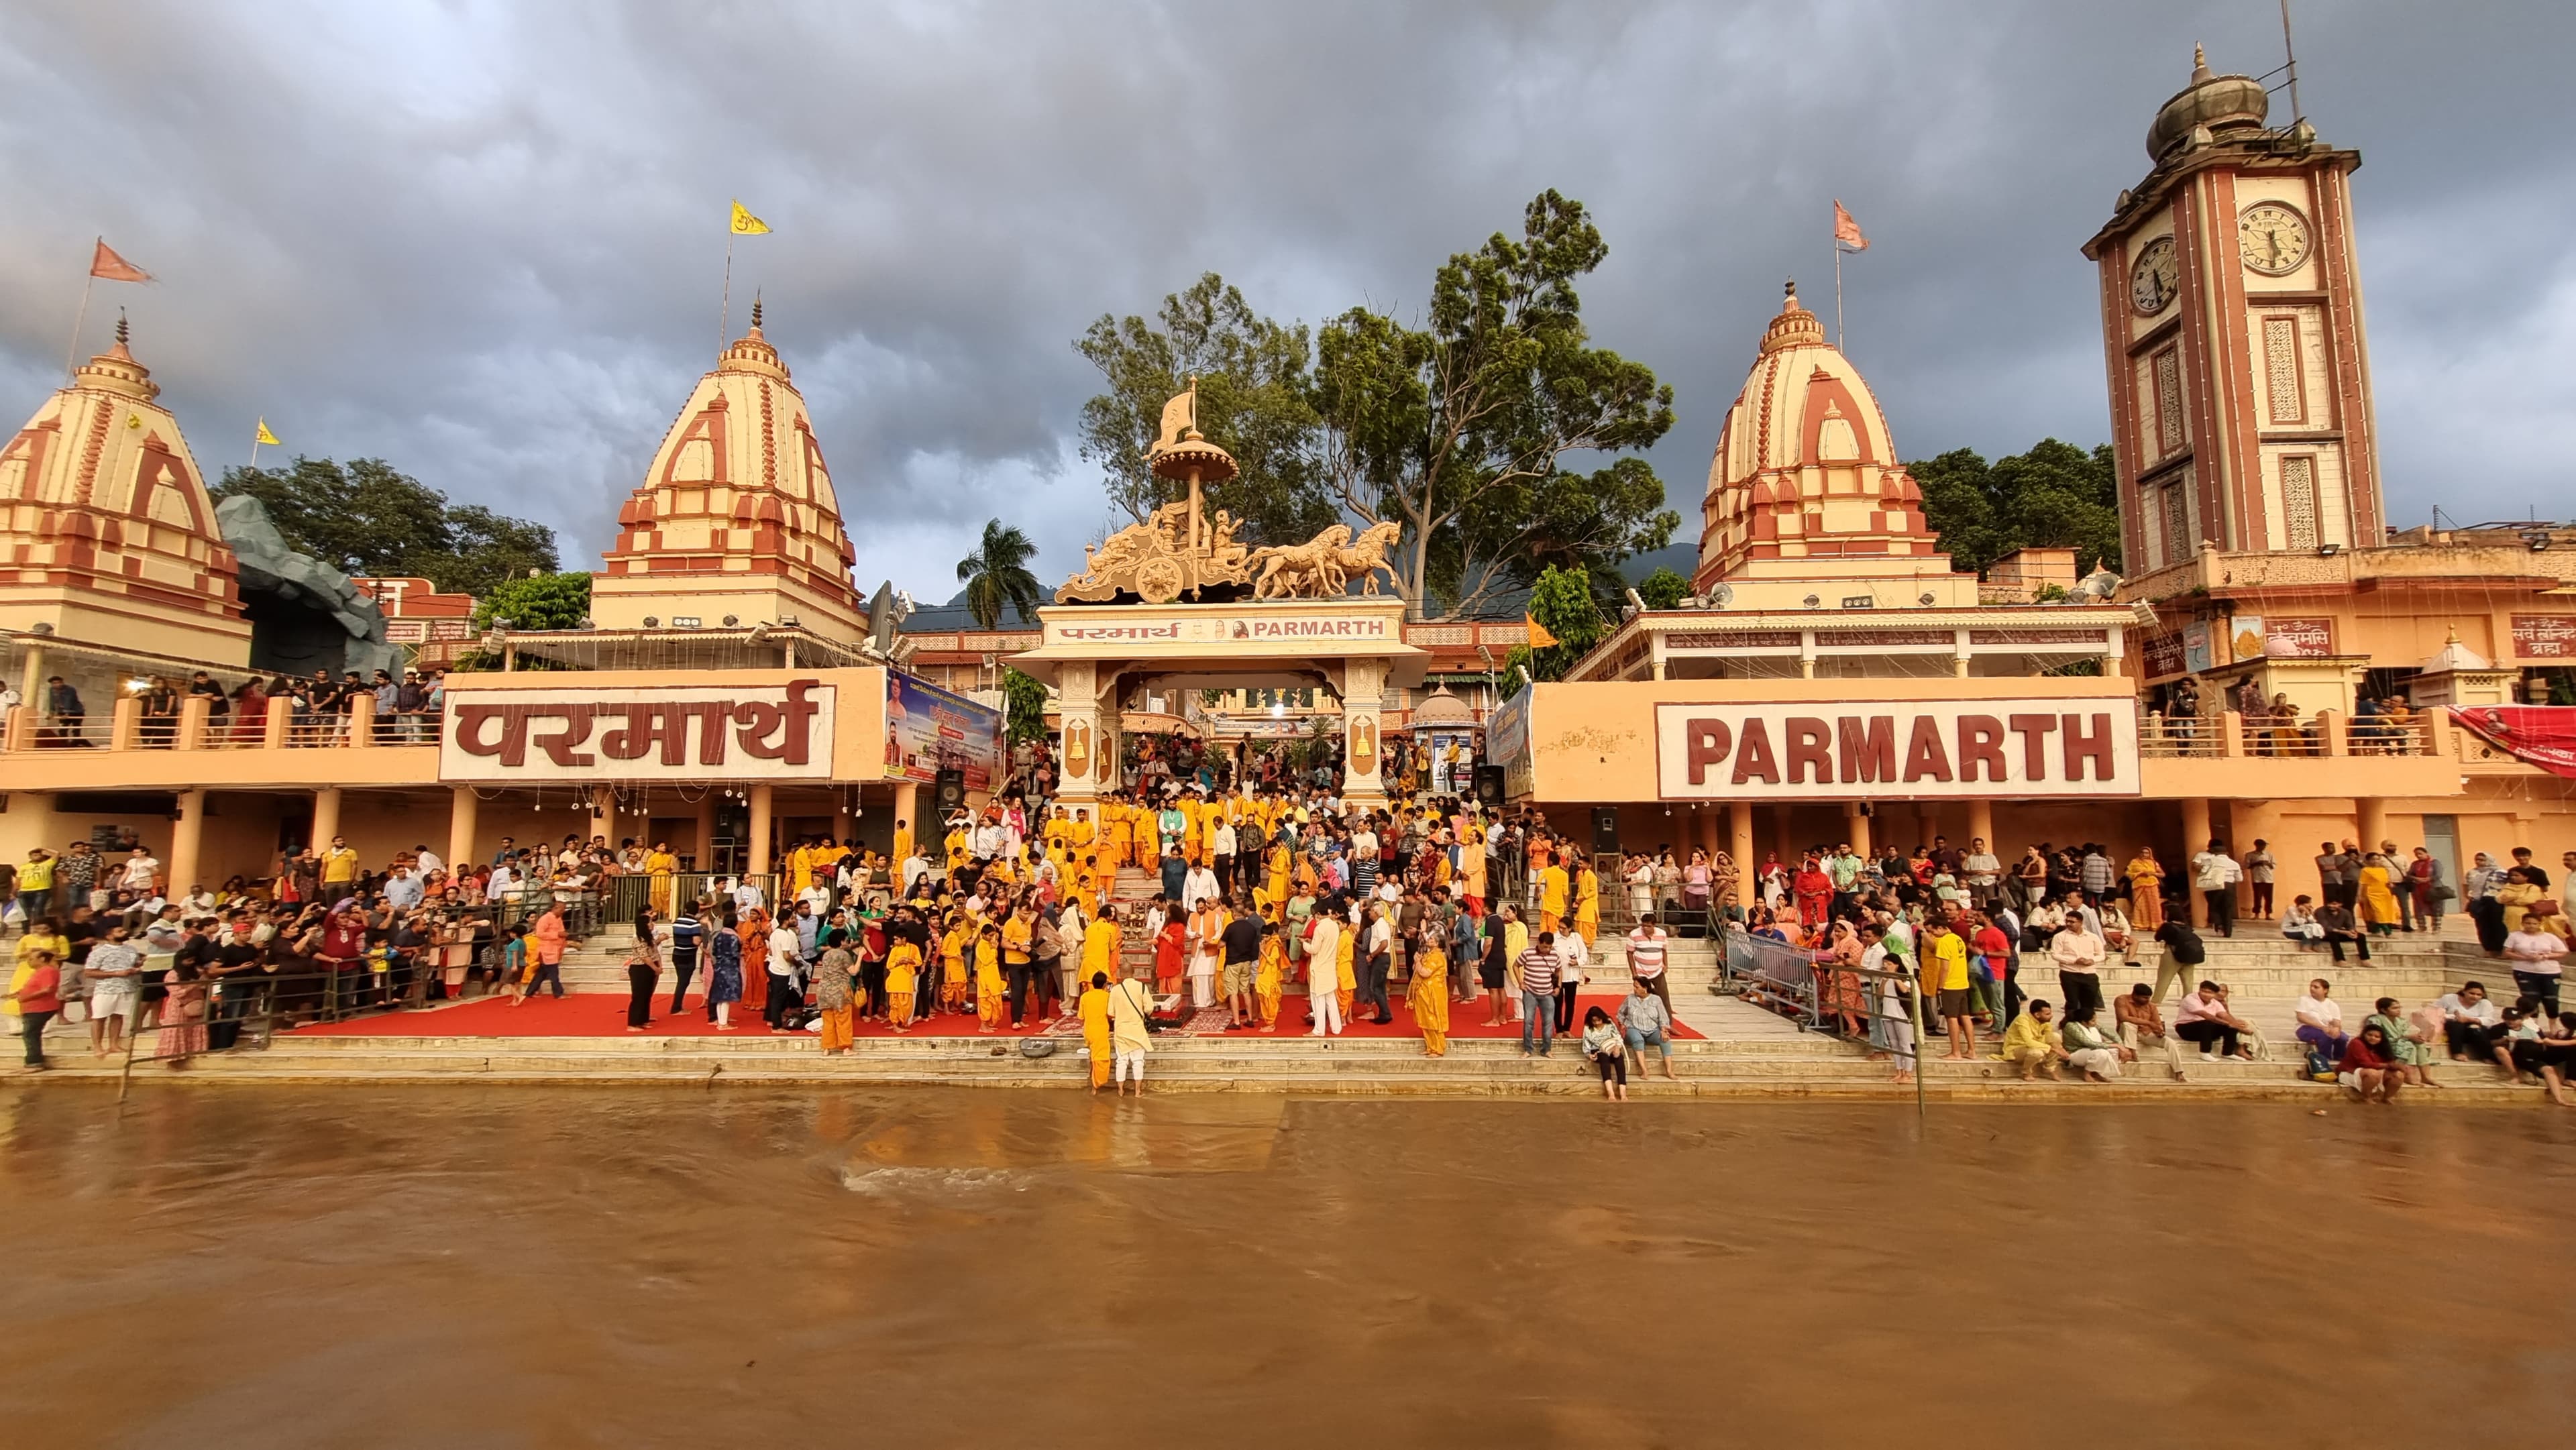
929 730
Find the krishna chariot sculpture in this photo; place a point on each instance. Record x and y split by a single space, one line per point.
1180 550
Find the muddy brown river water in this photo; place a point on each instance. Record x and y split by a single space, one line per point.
500 1268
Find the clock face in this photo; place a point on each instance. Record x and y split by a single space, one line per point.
2272 238
2155 278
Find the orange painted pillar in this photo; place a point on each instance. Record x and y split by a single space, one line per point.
463 807
187 835
761 800
2195 839
1741 828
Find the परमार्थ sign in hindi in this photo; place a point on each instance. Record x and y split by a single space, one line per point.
1859 749
685 732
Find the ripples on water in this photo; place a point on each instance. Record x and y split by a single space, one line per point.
283 1268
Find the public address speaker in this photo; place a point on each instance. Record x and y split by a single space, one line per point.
1489 785
1605 830
948 791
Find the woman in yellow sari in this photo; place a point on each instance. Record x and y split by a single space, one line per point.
2378 897
2146 890
661 866
1429 998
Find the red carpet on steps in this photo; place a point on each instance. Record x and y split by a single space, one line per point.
603 1014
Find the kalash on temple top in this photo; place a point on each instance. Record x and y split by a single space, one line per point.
734 690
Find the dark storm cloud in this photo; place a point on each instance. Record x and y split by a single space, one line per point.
485 241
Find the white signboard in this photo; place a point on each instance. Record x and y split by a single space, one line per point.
685 732
1898 749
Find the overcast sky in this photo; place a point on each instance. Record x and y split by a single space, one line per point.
484 240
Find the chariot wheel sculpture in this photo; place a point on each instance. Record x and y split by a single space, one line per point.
1158 581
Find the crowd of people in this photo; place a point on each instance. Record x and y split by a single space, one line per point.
1015 917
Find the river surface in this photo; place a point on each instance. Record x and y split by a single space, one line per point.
233 1266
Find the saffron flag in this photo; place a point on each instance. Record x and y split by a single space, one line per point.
106 263
267 437
1539 638
1847 231
745 224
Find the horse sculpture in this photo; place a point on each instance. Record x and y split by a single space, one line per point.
1291 570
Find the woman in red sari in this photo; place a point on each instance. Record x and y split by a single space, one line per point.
1815 893
250 712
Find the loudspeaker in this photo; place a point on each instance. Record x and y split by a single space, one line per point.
948 791
1605 830
1489 785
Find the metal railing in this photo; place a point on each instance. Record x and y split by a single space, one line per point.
2165 737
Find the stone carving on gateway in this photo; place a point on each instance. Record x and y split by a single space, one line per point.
1179 550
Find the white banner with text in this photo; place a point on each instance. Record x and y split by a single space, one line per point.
1859 749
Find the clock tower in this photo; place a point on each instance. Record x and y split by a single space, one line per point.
2231 326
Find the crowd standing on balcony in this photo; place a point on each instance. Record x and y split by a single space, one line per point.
406 709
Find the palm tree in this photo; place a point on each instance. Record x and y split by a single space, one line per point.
997 573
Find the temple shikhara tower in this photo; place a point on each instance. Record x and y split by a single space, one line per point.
2232 329
736 522
1806 496
108 534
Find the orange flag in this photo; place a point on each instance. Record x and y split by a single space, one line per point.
1539 638
106 263
1847 231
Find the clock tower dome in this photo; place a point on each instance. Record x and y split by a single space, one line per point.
2232 329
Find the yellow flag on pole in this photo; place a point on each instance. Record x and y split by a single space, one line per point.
267 437
1539 638
745 224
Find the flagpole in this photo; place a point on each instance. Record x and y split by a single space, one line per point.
71 355
254 449
724 324
1838 297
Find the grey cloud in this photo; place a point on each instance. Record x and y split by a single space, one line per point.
486 242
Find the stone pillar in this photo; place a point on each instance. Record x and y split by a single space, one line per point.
187 838
326 816
462 806
281 718
1363 755
125 723
1981 823
362 719
31 681
1856 826
761 798
1085 743
2195 839
907 812
1740 828
706 847
2370 815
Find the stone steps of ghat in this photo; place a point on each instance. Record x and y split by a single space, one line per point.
1848 1081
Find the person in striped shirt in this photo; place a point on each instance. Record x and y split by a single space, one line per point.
1646 958
1537 969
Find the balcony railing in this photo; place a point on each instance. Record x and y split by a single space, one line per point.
2231 736
196 728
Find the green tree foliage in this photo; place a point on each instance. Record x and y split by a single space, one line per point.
548 601
1024 700
1663 589
2055 496
368 519
997 574
1562 603
1458 430
1254 402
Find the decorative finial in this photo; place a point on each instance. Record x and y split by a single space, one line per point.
2455 635
755 312
2199 63
120 327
